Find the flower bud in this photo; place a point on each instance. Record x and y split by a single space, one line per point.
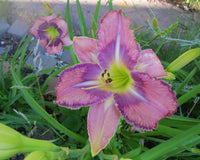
12 142
38 155
48 8
183 60
155 24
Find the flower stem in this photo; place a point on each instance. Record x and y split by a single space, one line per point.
75 153
103 156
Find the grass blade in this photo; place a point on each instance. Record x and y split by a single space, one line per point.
184 98
94 23
186 80
68 20
162 150
110 5
36 107
81 19
2 82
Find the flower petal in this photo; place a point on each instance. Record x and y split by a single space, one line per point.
148 62
66 40
78 86
34 30
54 48
103 119
147 102
85 49
48 18
61 24
116 41
43 42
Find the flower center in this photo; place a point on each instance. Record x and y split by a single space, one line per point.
117 79
52 33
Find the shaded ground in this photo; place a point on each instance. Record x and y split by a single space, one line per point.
139 11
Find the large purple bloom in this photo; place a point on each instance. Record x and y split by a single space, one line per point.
52 33
115 77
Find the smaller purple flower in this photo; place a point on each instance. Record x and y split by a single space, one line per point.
52 33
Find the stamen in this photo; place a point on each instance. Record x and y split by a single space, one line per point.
108 74
109 80
102 75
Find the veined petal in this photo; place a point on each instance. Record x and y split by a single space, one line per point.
103 119
62 25
147 102
116 41
78 86
86 49
148 62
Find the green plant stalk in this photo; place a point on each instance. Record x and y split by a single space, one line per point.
30 144
161 44
197 64
12 100
171 144
186 80
184 98
68 20
103 156
81 19
110 5
75 153
23 50
2 82
70 32
74 57
41 95
94 23
133 153
35 106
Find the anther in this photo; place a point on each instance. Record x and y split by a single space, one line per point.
102 75
108 74
109 80
105 70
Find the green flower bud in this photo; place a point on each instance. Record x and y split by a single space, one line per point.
38 155
155 24
12 142
46 155
48 8
183 60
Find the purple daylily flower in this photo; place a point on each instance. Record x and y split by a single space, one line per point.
116 78
52 33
